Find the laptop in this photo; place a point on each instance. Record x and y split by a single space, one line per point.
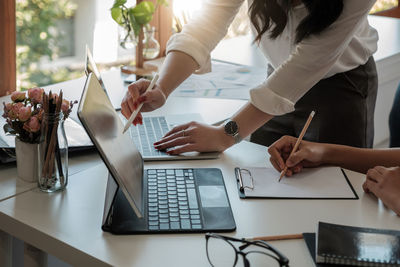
140 200
153 128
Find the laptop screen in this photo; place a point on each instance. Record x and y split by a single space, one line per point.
91 67
117 150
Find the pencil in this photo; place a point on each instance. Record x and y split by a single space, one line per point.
277 237
296 145
134 113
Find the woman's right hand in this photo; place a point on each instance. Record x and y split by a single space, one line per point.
308 154
152 99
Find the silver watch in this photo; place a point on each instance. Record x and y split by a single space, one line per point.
232 129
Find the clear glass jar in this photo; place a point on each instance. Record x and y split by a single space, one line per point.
151 47
126 41
54 168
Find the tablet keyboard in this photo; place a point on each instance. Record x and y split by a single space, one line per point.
172 200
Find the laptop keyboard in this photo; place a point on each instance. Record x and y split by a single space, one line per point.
144 136
172 200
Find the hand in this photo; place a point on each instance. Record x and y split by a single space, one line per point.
136 95
384 183
309 154
194 136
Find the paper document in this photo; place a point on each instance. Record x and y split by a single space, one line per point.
224 81
323 182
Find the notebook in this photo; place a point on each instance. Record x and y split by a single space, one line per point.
357 246
76 137
311 183
140 200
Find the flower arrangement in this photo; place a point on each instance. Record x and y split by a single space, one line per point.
24 115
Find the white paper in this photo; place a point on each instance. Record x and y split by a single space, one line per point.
323 182
225 81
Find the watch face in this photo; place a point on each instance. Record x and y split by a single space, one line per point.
231 128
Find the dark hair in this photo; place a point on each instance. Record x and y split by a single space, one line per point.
269 15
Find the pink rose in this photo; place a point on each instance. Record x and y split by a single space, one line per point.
24 113
14 111
65 106
36 94
33 125
18 96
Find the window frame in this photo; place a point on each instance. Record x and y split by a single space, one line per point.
393 12
8 69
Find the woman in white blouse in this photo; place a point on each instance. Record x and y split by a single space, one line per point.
321 55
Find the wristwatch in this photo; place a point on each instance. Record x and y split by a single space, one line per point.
232 129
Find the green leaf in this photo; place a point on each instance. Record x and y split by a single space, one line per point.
162 2
116 14
8 129
143 12
119 3
134 24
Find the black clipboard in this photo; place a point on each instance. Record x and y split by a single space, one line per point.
241 187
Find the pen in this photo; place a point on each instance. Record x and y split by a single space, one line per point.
298 141
134 113
277 237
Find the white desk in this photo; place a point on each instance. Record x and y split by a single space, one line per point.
67 224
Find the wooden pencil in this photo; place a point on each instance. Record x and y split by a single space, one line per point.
298 141
278 237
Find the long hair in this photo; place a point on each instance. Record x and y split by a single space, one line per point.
271 16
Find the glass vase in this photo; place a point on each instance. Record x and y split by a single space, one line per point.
54 167
151 47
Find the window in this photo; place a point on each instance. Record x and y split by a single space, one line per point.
52 36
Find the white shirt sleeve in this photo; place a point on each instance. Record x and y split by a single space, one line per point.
310 62
200 36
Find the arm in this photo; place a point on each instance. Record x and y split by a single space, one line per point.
187 52
310 154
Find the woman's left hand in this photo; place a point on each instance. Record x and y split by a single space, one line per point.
384 183
194 136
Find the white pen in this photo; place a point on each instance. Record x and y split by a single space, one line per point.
134 113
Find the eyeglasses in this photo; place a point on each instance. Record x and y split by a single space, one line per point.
221 252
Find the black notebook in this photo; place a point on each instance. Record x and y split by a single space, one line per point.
356 246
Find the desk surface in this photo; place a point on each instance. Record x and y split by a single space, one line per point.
68 224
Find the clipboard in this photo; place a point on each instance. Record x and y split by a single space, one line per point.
311 183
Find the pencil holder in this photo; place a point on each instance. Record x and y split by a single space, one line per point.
54 167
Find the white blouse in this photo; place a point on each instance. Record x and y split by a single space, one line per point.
344 45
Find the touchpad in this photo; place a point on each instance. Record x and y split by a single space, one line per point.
213 196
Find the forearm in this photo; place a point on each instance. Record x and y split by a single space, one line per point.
176 68
249 119
360 159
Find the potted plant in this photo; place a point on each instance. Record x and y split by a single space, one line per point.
133 20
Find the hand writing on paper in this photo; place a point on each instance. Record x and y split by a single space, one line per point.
309 154
384 183
137 94
194 136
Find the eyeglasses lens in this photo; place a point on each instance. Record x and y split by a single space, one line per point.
220 253
258 258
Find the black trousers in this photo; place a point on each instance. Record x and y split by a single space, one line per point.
344 106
